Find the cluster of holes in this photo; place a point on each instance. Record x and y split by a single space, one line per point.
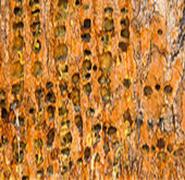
35 24
105 92
111 143
9 116
148 90
60 29
61 49
107 25
77 78
106 59
46 98
66 140
125 34
86 27
61 52
50 100
18 26
46 95
74 95
60 56
162 147
86 72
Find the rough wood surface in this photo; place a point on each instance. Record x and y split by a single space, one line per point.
92 89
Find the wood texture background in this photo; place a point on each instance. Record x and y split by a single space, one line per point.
121 117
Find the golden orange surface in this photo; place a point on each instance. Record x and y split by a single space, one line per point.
92 89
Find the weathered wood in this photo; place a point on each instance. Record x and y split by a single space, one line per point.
92 89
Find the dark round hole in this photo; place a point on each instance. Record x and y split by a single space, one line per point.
86 37
87 52
146 147
25 177
169 148
160 143
124 10
79 123
127 83
49 85
77 2
87 65
108 25
87 153
147 91
96 127
88 75
125 33
33 2
94 67
87 88
157 87
108 10
160 32
123 46
112 130
18 11
63 3
127 116
168 89
124 22
153 148
18 25
50 97
4 113
31 110
87 23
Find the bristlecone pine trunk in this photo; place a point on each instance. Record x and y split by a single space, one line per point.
92 89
